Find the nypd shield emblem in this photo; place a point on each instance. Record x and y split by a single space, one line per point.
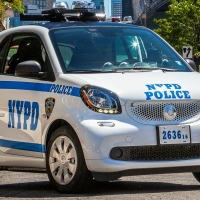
49 105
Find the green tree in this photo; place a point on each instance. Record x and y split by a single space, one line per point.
182 27
16 5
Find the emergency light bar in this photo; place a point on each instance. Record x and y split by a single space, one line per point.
63 15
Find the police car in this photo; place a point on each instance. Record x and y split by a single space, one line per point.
86 100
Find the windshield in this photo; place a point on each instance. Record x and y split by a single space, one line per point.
113 48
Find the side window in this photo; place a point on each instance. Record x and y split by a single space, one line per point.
23 48
12 51
27 48
3 50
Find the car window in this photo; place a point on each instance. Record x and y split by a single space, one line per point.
108 48
23 48
12 51
142 48
133 46
121 53
3 48
66 53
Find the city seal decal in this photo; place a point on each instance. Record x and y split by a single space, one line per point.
49 105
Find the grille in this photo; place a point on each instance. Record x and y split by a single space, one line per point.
158 153
152 112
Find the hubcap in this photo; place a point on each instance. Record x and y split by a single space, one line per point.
63 160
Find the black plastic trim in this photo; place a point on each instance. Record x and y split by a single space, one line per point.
100 176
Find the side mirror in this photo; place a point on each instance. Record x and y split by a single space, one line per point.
29 68
192 64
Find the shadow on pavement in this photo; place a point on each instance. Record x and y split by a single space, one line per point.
44 189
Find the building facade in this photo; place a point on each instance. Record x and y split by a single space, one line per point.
41 4
116 8
113 8
99 4
134 8
127 8
49 4
154 8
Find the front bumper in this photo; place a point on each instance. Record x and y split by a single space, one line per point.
98 141
109 165
107 170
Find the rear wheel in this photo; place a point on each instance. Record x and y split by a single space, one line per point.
65 162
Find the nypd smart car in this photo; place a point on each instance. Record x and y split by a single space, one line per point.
86 100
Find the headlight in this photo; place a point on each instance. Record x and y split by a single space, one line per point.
100 100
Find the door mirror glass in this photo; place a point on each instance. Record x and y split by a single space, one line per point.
29 69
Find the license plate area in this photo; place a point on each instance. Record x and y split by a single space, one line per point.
174 134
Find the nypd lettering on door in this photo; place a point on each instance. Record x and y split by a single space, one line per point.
166 91
23 114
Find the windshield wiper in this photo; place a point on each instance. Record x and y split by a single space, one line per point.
114 70
88 71
143 68
164 69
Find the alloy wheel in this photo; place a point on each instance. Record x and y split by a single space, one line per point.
63 160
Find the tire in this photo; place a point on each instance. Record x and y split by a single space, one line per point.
65 163
197 176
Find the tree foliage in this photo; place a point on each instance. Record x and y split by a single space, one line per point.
182 27
16 5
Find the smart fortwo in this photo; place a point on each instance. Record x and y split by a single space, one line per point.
86 100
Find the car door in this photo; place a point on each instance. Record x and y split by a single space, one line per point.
21 102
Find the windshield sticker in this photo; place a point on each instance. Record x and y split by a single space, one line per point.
21 113
170 91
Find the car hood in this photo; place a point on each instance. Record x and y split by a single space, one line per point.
147 86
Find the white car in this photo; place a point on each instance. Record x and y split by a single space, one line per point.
92 100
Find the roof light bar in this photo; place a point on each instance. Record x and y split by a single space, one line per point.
100 15
63 14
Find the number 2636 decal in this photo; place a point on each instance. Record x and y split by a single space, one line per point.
168 135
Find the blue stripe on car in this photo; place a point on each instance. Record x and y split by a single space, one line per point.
31 86
26 146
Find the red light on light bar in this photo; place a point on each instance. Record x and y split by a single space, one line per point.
115 19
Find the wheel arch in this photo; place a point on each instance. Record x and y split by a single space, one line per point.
82 177
54 125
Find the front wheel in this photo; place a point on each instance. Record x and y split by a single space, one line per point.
65 162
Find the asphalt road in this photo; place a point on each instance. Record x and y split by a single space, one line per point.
18 185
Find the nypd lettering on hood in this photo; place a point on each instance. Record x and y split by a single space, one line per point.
166 91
